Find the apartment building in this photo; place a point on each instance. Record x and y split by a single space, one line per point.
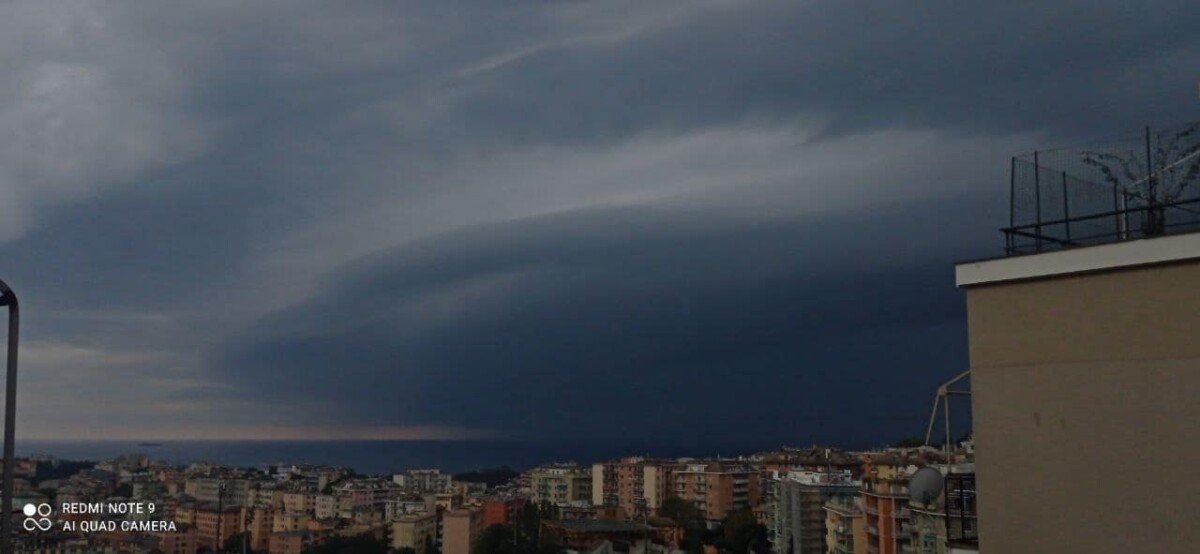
260 523
1085 375
845 526
635 485
884 499
290 542
795 508
423 480
717 487
212 490
501 511
214 526
180 541
560 484
460 528
415 531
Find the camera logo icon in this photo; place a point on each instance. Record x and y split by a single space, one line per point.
37 517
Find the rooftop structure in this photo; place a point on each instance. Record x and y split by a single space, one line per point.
1140 186
1085 370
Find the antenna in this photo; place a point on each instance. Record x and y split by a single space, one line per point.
943 396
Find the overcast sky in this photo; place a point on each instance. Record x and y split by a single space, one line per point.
629 220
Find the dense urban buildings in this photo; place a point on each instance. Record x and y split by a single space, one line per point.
796 508
560 483
717 487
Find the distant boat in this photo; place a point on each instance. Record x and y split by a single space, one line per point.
150 444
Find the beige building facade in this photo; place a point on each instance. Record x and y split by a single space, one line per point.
1085 388
460 528
415 531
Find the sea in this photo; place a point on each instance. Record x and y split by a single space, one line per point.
375 456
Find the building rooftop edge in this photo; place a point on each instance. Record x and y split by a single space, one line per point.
1156 250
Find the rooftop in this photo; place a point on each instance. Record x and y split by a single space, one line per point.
1141 185
600 525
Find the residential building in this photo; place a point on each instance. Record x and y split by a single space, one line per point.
212 490
795 509
423 480
717 487
180 541
460 528
260 524
815 458
560 484
501 511
884 500
290 542
415 531
1085 375
635 484
580 534
845 526
214 526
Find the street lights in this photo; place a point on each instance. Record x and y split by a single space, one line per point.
9 298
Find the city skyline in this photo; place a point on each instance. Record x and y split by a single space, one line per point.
536 221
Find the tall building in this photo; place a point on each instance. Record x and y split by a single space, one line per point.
212 490
415 531
1085 380
884 500
501 511
460 528
214 527
717 487
260 524
934 520
845 526
560 484
636 485
795 509
423 480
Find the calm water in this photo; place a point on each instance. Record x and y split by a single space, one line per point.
370 456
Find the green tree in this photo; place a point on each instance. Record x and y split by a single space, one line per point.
234 542
909 442
497 539
691 518
743 534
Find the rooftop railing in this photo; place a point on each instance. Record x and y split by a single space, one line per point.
1128 188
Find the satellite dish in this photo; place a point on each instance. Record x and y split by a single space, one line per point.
925 486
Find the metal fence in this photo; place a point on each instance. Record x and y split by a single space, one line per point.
1125 188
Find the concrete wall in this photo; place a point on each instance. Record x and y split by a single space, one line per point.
1086 408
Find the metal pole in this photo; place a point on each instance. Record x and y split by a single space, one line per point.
220 515
9 298
1066 207
1153 213
1037 196
946 410
1117 214
1012 204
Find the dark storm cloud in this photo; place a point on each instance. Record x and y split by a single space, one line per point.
538 218
589 324
1074 67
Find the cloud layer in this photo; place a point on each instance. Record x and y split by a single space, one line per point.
674 221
